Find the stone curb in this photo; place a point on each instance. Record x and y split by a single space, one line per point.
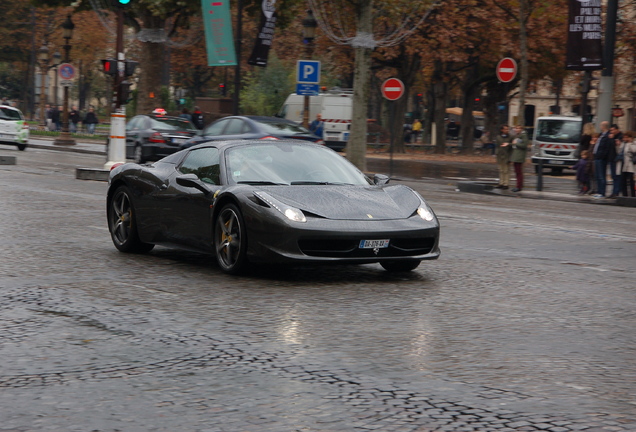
489 189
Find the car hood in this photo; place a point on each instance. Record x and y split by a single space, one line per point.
350 202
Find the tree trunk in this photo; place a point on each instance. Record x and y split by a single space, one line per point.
152 62
523 42
357 146
470 90
440 93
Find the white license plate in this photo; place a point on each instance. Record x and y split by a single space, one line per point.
332 138
178 140
372 244
6 136
557 162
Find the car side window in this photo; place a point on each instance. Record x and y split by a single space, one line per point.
236 127
215 128
204 163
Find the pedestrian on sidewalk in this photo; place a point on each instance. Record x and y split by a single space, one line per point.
628 165
615 170
583 170
503 150
90 121
518 155
73 119
604 146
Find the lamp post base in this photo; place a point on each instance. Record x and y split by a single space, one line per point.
64 140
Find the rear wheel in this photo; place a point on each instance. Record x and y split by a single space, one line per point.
122 224
230 240
22 146
400 266
557 171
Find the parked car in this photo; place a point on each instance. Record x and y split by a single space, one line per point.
13 127
150 137
252 127
267 201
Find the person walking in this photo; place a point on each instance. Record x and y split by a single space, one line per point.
55 118
73 119
90 121
503 147
518 155
197 118
417 128
628 164
586 138
603 149
185 114
615 171
317 126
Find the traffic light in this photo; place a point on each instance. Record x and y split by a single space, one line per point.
124 93
130 67
222 89
109 66
121 3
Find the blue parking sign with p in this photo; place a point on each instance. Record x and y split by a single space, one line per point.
308 71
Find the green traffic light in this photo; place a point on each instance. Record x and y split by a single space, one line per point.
124 2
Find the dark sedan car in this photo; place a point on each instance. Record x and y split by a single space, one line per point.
151 137
252 127
269 201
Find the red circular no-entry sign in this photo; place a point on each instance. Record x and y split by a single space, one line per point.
506 69
392 89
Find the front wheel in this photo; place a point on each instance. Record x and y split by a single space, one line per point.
122 224
400 266
230 240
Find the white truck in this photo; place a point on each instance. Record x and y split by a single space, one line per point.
556 139
335 106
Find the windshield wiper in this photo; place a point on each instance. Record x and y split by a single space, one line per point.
319 183
261 182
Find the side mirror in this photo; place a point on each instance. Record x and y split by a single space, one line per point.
192 181
381 179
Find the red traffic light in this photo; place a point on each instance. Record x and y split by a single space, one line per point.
109 66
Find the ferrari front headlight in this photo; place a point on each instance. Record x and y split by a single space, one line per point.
425 213
291 213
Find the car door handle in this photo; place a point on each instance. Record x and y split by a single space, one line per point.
163 186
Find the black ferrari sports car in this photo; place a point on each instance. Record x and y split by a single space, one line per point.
269 201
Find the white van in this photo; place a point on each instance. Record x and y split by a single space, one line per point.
556 139
335 106
13 127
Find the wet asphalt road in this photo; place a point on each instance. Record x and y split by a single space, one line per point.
525 323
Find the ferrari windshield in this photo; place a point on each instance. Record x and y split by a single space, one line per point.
290 164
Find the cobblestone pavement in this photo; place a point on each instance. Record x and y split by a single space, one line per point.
526 323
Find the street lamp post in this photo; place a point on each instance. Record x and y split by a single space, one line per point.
43 59
57 59
633 125
65 137
309 33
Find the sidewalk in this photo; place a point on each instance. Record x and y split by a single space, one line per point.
477 164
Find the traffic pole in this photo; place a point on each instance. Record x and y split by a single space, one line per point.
117 136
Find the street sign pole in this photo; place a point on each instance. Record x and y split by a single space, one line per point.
392 89
117 136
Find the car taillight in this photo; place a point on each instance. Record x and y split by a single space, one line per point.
25 125
269 137
156 138
115 165
321 142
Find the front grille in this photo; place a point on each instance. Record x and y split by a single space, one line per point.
348 248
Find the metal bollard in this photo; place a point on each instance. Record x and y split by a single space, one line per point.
540 175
